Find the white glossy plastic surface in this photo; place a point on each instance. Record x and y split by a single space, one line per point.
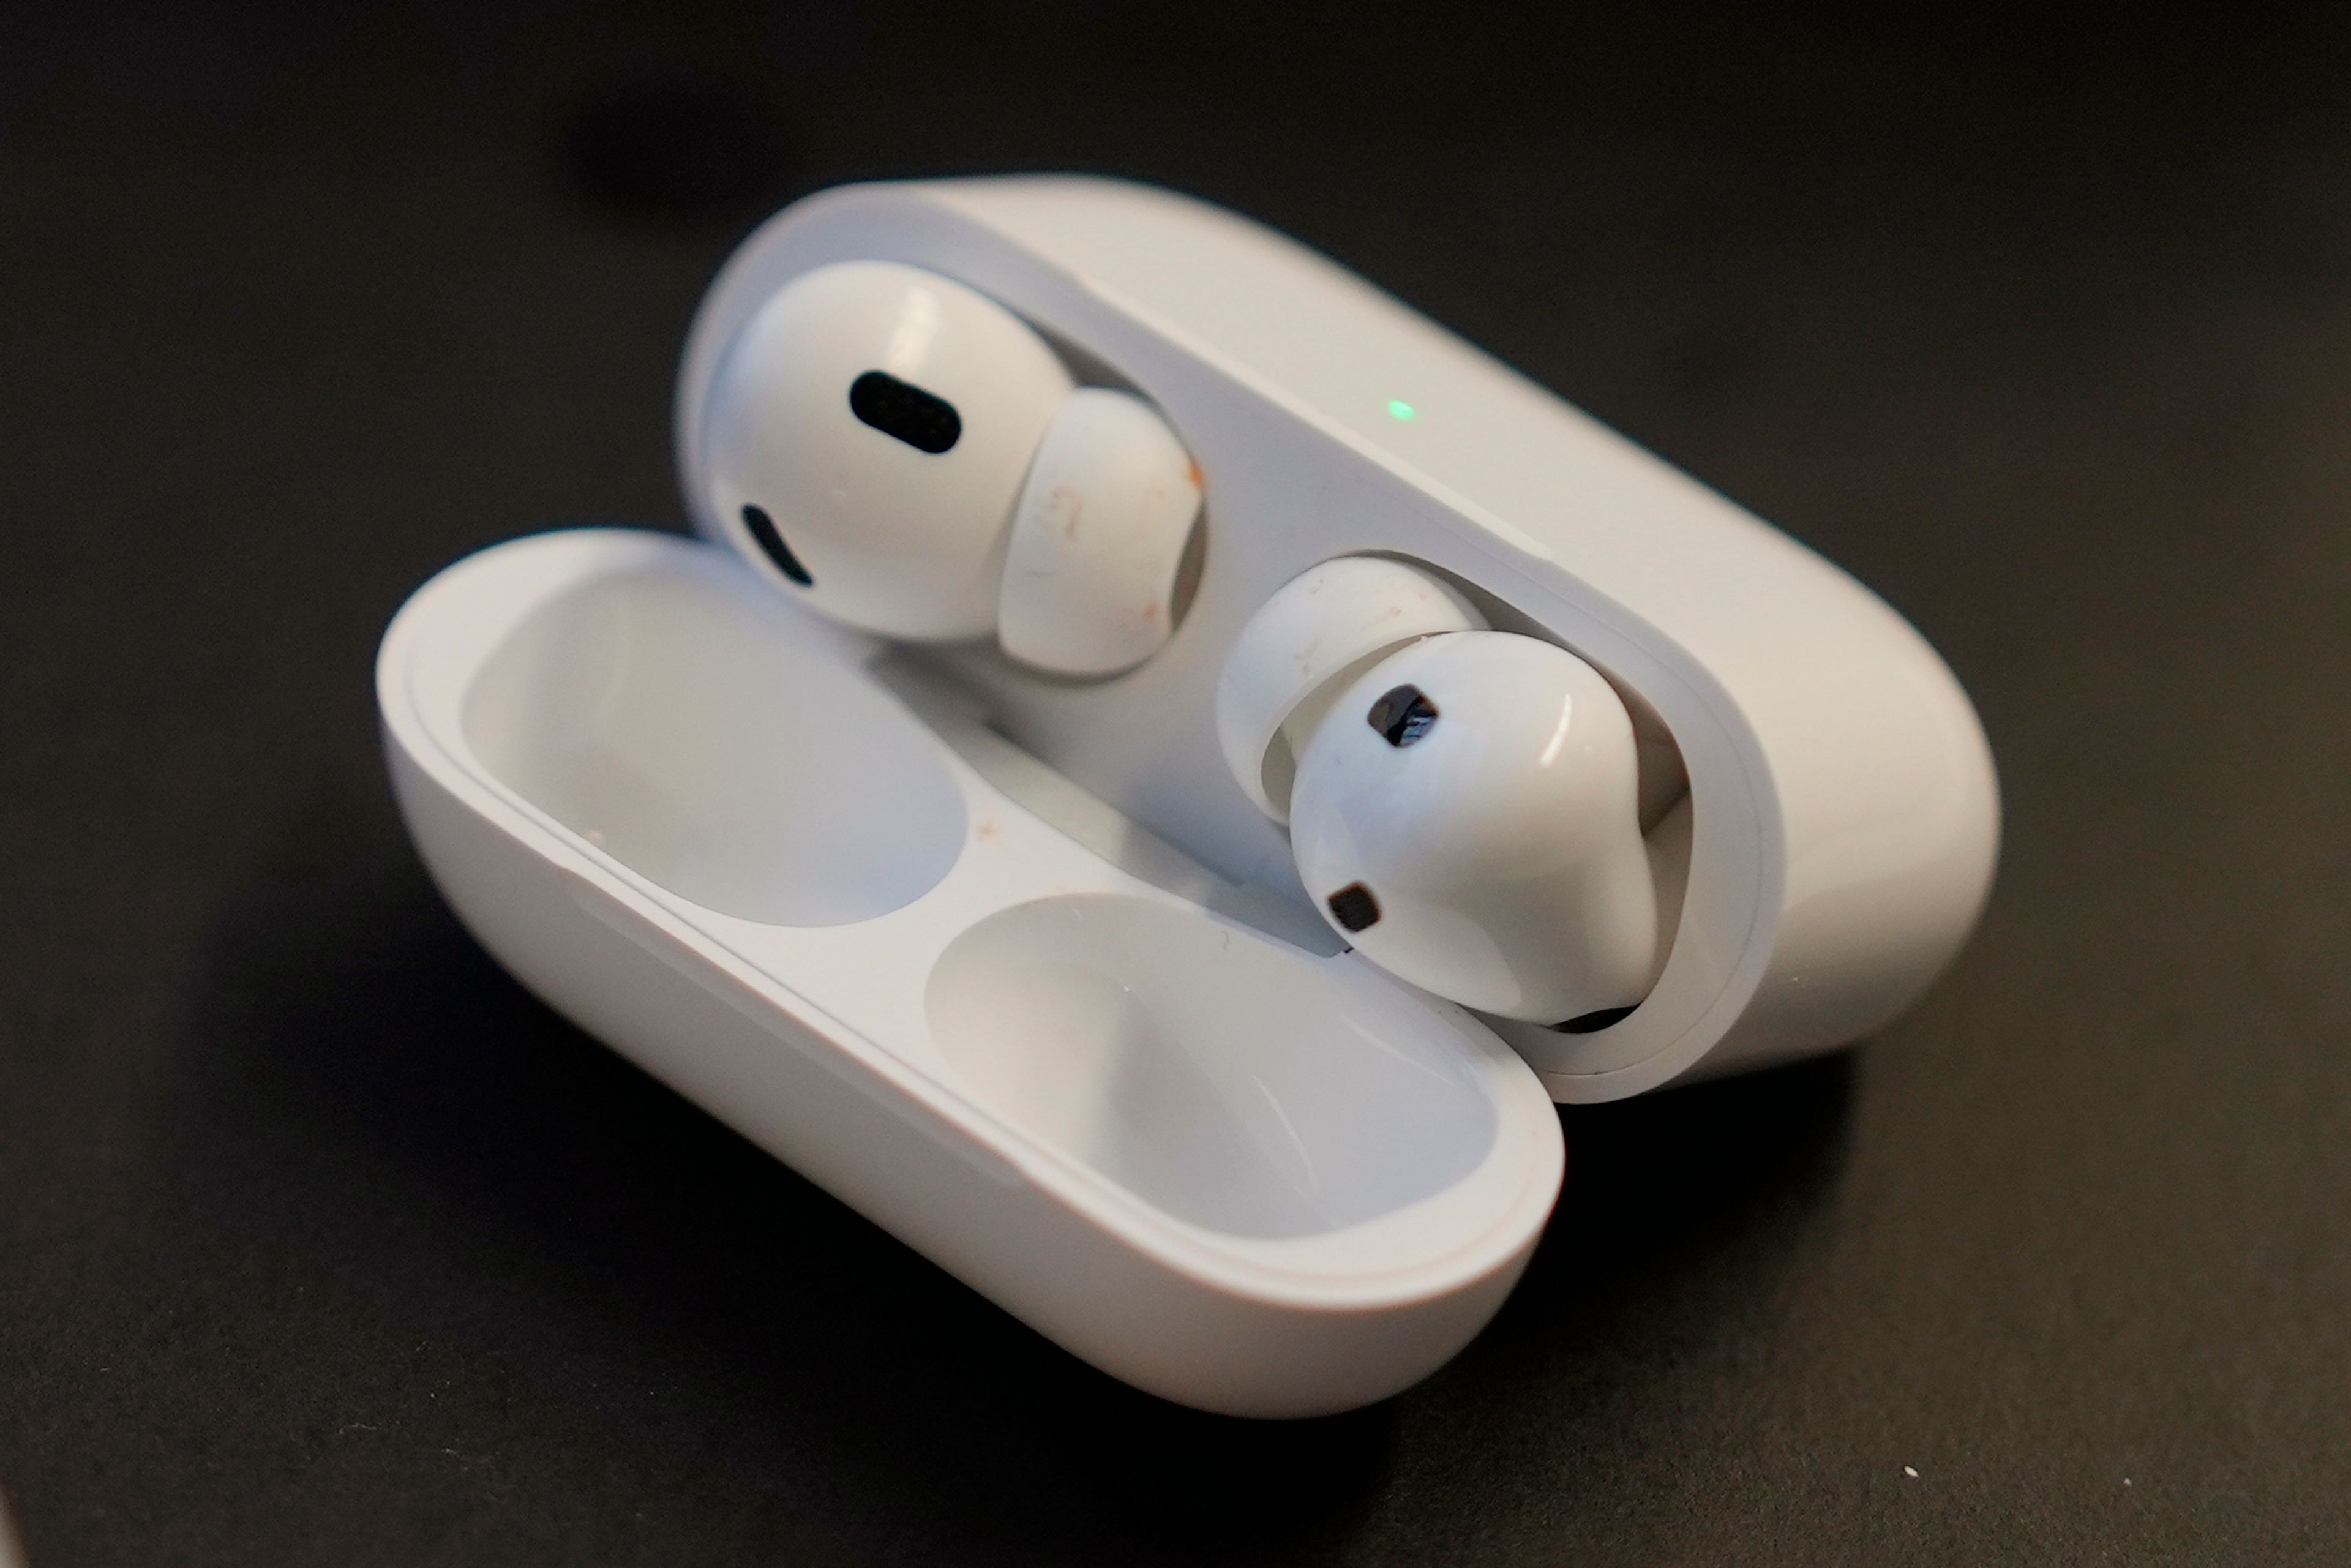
662 736
1097 538
1494 851
893 537
1303 647
1842 814
1213 1164
1086 1021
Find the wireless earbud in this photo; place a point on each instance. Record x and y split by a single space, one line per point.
913 459
1464 804
1467 812
1300 649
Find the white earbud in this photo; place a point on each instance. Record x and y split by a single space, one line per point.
915 460
1303 646
1466 804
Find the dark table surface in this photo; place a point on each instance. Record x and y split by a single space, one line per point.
321 1242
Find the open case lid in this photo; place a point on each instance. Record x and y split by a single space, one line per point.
1231 1170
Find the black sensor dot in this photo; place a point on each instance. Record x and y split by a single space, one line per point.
924 421
1402 715
1355 907
763 528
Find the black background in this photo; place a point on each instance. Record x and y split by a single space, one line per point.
320 1242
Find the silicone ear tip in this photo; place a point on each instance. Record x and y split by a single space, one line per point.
1305 644
1098 539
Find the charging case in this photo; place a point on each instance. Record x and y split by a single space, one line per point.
1012 964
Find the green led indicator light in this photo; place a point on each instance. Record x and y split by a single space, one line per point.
1401 412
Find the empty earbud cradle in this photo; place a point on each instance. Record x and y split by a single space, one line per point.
1149 824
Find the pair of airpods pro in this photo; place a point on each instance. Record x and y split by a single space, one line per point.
910 458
